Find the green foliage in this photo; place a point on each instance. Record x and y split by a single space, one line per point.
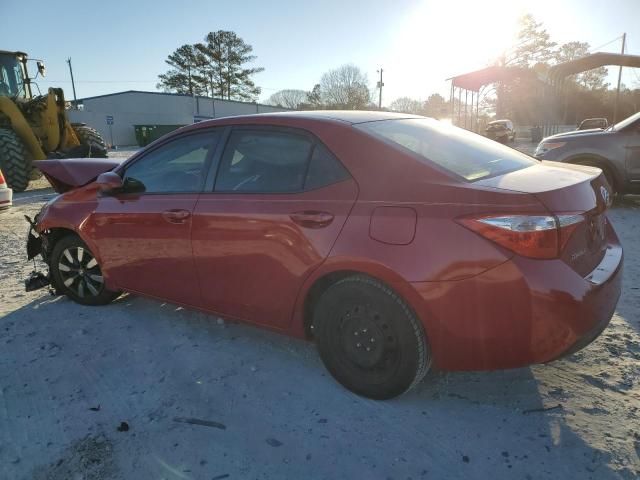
533 44
216 67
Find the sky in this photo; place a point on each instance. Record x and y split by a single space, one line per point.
118 45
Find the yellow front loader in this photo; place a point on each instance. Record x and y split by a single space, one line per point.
35 127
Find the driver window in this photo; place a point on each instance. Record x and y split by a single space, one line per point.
177 167
264 162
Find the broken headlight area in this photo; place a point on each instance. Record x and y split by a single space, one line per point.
36 245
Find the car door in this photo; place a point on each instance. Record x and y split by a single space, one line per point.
143 232
632 144
279 202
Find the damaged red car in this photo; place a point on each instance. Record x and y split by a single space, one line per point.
398 243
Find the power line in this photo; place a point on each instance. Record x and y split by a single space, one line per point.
605 44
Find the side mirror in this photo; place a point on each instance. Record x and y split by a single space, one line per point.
42 70
108 181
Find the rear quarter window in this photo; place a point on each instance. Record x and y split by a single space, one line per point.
458 151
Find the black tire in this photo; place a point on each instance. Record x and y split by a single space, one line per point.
369 339
15 161
90 137
76 274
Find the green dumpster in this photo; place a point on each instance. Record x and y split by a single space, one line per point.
145 134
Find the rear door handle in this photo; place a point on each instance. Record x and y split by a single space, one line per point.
176 215
312 218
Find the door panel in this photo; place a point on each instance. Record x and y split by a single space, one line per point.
144 238
633 155
145 246
253 251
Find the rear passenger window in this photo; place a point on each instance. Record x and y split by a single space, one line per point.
264 162
324 169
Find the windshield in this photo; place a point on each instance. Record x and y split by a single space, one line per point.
626 122
11 82
463 153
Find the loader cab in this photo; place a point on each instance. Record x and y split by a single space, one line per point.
14 78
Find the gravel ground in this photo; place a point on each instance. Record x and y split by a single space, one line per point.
145 390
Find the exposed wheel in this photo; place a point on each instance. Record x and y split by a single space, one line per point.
90 137
15 161
369 339
76 273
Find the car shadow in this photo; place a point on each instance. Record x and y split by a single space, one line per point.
625 217
71 371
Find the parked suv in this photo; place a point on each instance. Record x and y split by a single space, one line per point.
501 131
615 150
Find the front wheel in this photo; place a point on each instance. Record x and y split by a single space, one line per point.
15 160
76 273
92 139
369 339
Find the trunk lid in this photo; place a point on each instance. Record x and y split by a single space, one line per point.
566 189
69 173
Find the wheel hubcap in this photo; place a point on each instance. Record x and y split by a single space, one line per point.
366 337
80 272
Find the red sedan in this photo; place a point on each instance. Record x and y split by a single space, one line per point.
396 242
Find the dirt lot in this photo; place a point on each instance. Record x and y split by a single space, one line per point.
205 399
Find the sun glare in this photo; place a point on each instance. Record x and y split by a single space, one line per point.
450 38
466 32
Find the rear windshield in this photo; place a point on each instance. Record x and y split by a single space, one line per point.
459 151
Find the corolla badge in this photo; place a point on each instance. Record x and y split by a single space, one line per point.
606 196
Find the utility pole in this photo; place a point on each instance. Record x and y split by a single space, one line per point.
615 108
380 85
213 101
73 84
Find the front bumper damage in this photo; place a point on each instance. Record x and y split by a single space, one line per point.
36 279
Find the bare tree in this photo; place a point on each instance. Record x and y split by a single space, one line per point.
288 98
344 88
407 105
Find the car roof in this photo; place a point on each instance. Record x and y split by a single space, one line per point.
341 116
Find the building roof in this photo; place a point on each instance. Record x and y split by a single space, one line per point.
80 100
595 60
485 76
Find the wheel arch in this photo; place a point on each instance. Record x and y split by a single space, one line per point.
335 270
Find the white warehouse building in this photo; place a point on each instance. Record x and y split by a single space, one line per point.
115 115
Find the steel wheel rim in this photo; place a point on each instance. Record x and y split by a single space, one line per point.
80 273
372 333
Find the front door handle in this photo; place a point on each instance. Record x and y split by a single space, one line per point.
312 218
176 215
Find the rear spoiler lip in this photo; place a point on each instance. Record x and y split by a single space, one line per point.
69 173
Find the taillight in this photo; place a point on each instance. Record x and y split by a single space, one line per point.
2 180
534 236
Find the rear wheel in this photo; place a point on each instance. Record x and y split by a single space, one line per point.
76 273
90 137
369 339
15 161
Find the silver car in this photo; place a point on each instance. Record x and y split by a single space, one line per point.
616 150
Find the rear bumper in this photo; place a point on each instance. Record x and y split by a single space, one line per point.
6 198
520 313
